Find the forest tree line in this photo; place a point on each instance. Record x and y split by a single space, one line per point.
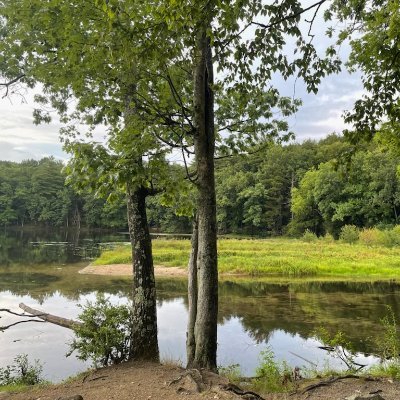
283 189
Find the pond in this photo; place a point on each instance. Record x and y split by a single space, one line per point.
41 270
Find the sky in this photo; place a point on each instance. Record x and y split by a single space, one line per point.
319 115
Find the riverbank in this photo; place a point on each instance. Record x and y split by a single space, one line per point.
280 256
126 270
134 381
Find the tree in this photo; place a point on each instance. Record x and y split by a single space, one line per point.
358 194
84 52
214 33
375 41
118 57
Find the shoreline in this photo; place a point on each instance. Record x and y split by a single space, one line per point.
126 270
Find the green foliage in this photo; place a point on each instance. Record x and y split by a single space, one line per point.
309 236
272 376
232 372
21 372
327 238
388 344
338 194
104 336
388 347
373 44
349 234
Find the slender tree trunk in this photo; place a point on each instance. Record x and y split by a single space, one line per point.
192 297
205 328
144 344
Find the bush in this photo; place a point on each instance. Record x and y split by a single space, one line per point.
271 375
371 237
388 346
328 238
388 238
349 234
309 236
105 333
21 372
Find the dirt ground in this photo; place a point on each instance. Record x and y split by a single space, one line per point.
126 270
149 381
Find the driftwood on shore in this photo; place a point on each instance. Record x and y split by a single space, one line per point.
54 319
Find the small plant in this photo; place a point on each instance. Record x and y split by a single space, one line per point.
273 376
21 372
232 372
389 345
309 236
339 347
105 333
349 234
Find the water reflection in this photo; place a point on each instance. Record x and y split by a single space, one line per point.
252 314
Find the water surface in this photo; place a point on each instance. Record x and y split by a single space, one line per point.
42 271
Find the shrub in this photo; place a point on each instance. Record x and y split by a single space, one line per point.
105 333
309 236
396 235
370 236
21 372
349 234
328 238
232 372
388 238
273 376
388 346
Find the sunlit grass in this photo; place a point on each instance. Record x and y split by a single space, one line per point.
281 256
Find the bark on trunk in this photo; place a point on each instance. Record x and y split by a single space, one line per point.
205 330
192 297
144 321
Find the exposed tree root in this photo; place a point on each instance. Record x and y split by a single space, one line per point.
328 382
202 380
248 394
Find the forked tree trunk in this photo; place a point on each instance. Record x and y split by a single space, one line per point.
144 344
205 326
192 296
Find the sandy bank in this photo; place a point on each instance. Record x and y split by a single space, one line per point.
126 270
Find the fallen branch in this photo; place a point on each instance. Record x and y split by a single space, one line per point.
13 313
54 319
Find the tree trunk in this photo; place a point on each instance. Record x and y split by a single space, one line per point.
205 329
144 344
192 297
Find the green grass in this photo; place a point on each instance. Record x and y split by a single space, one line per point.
280 256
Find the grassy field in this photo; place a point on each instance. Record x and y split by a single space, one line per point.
281 256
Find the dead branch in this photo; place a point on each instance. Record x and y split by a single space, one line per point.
5 327
11 82
54 319
13 313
